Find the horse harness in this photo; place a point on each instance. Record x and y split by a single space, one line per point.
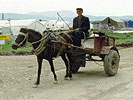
41 46
42 41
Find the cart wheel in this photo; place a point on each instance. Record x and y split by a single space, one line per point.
111 63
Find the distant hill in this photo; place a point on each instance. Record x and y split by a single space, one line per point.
125 17
63 13
52 15
25 16
67 15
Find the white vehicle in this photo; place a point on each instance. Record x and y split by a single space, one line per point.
62 26
51 25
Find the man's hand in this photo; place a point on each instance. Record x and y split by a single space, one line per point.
70 28
77 29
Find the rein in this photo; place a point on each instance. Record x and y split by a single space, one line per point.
41 46
25 38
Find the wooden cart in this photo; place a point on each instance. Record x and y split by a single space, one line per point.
102 46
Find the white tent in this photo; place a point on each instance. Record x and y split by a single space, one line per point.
5 30
91 26
15 25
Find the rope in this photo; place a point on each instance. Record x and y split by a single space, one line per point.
40 48
69 37
15 43
63 20
69 51
40 39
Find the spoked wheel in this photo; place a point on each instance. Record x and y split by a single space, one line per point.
111 63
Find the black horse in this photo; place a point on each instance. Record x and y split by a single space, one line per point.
44 48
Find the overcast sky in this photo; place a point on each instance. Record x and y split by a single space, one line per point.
91 7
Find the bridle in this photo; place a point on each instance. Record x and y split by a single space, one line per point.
40 47
25 39
42 41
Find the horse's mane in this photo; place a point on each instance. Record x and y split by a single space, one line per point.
25 30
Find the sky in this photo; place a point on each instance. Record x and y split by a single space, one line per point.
91 7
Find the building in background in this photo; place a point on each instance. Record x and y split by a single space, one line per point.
96 24
128 23
112 23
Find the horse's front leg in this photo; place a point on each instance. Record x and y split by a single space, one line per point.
39 70
53 70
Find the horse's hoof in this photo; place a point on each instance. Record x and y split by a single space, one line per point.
36 83
56 82
35 86
65 78
70 78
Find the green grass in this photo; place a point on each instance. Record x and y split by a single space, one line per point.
8 47
121 37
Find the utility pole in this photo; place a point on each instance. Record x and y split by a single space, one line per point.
63 20
10 28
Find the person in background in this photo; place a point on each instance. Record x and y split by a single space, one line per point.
2 42
81 25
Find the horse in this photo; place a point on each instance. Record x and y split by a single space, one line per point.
44 48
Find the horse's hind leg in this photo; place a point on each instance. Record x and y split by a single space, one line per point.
53 70
69 56
66 63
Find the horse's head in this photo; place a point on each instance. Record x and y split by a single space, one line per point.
26 35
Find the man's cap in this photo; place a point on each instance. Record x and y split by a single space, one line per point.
79 9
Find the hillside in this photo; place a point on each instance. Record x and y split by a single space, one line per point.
52 15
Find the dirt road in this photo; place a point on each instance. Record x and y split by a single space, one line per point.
18 74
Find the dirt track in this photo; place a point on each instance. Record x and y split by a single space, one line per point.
18 74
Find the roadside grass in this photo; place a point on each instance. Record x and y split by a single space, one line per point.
119 38
8 47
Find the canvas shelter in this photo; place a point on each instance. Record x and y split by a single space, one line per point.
113 22
16 25
5 30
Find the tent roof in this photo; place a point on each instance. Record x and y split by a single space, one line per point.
115 19
25 22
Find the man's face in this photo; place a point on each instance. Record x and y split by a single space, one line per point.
79 12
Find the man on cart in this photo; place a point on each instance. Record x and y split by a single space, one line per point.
81 25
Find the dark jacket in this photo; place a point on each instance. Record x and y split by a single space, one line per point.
85 24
